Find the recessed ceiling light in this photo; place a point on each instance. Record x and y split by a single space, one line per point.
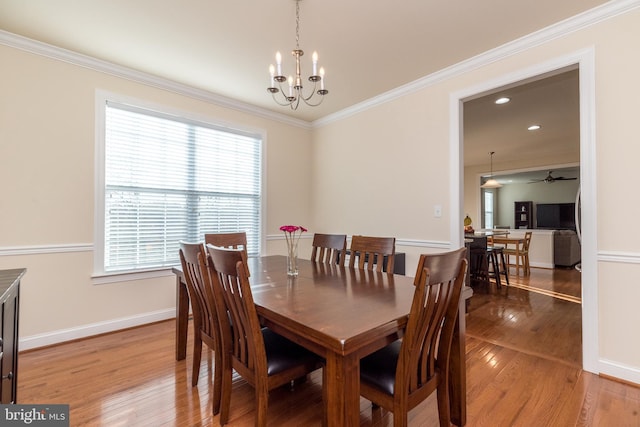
502 100
534 127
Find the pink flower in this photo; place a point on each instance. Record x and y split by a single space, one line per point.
290 234
291 228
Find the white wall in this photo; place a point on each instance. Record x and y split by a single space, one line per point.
47 140
394 159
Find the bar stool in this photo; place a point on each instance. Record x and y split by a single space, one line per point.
495 257
478 255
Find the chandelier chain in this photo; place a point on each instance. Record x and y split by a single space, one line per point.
297 24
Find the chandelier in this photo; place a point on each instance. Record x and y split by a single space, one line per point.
291 95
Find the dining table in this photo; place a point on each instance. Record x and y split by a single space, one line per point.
341 314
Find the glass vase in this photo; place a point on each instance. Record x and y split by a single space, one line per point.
292 259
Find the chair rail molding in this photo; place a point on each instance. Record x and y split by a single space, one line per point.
619 257
46 249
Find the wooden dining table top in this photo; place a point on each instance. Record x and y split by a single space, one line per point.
340 313
337 308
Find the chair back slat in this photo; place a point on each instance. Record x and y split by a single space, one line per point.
192 258
329 248
527 241
239 323
367 253
426 345
237 240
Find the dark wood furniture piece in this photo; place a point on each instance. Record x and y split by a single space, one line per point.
523 215
206 328
487 259
329 248
237 240
342 314
497 264
263 358
9 310
478 258
227 240
372 253
401 375
398 262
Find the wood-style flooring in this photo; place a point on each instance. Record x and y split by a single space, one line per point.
523 369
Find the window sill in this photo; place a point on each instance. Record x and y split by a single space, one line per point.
104 278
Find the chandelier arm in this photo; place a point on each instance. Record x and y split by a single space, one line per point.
311 95
310 104
288 96
286 101
313 92
294 104
286 104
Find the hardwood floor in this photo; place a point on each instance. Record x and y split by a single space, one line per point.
527 318
524 373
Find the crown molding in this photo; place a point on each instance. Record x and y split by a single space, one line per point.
578 22
570 25
85 61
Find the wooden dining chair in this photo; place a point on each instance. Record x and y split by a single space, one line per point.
369 252
237 240
263 358
521 255
205 319
329 248
406 372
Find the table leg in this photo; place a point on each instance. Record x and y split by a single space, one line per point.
182 318
458 371
342 390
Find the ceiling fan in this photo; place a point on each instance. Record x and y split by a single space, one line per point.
549 179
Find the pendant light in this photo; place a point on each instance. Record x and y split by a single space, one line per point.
294 94
491 183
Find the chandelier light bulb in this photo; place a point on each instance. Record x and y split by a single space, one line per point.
315 62
279 62
272 73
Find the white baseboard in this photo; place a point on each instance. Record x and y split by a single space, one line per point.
541 264
619 370
56 337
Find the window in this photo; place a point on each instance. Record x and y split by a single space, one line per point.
169 178
488 209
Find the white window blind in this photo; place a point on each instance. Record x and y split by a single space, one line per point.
169 179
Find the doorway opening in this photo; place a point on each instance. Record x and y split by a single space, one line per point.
463 174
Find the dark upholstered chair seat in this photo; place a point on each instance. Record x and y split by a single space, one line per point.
404 373
282 353
263 358
379 368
